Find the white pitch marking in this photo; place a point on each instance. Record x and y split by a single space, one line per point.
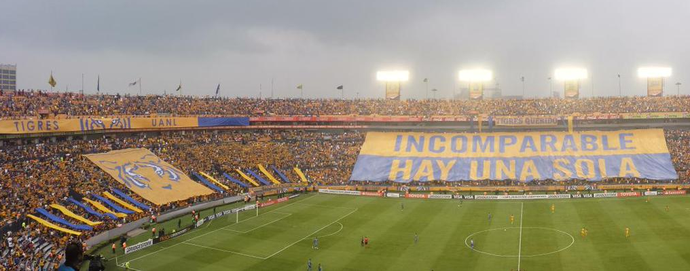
522 204
300 240
196 237
224 250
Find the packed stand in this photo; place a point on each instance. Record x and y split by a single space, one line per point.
34 103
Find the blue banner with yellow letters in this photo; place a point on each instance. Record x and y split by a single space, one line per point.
593 155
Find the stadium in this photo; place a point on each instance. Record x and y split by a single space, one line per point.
343 136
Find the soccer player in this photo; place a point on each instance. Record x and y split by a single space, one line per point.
416 238
315 244
402 206
472 243
489 217
320 268
309 265
113 246
553 208
627 232
666 208
586 232
362 242
366 241
512 219
582 232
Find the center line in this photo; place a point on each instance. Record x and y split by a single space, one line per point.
522 204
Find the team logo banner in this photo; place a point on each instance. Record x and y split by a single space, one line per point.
572 89
147 175
476 91
655 87
595 155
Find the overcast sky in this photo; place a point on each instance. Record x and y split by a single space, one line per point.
244 45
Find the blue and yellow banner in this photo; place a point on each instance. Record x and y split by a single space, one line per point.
593 155
87 124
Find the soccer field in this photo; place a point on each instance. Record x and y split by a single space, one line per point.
280 237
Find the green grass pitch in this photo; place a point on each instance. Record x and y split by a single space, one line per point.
280 237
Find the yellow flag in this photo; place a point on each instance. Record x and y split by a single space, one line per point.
51 81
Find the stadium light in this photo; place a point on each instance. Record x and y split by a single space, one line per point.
475 75
568 74
654 72
393 76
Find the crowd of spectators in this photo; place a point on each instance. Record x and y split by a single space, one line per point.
34 103
38 172
41 172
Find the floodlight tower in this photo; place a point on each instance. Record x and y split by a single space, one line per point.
475 79
655 79
393 80
571 81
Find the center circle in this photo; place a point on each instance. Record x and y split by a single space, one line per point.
541 230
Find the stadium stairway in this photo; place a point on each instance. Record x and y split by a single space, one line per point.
62 221
267 174
280 174
207 183
130 199
227 176
262 180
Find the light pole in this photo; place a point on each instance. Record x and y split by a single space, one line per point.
619 86
523 86
678 85
434 91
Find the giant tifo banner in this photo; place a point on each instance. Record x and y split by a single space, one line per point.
147 175
405 157
31 126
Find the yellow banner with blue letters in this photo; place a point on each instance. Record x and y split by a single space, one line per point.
588 155
32 126
89 124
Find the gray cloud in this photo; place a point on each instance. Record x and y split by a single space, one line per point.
322 44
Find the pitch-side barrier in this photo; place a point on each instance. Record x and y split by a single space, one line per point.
499 197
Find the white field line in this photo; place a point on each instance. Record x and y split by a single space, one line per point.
196 237
336 232
522 205
224 250
311 234
260 226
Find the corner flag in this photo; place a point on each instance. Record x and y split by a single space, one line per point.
340 87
